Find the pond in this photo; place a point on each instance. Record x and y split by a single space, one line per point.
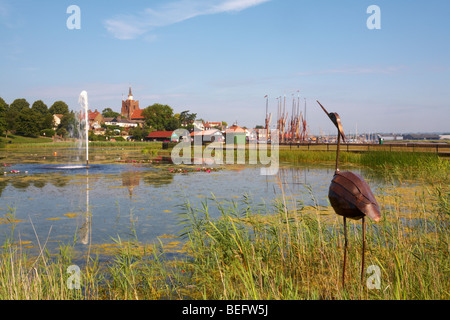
118 195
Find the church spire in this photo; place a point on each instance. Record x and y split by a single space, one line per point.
130 95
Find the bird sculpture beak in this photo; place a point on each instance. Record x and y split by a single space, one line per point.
334 117
323 108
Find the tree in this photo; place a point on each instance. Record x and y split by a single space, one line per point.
160 117
186 120
47 121
16 108
40 107
45 118
18 105
139 133
27 123
59 107
68 124
109 113
3 110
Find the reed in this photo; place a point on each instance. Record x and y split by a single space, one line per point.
296 253
281 250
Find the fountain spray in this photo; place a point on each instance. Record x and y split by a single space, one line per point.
83 100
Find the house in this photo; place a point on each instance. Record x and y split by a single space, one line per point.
137 115
123 123
199 125
57 120
235 134
212 135
95 119
215 125
162 136
108 121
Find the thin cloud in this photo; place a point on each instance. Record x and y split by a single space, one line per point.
125 27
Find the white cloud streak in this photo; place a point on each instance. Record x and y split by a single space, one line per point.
126 27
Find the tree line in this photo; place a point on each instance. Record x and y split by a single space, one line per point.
159 117
34 120
37 119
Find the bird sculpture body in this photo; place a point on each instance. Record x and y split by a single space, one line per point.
350 196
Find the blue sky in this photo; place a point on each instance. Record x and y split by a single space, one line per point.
219 58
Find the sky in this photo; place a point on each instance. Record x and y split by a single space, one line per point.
220 58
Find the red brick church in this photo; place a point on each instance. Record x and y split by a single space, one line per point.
130 108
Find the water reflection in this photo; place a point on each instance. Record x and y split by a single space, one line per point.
85 230
101 203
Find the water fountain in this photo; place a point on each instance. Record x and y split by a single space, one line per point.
83 100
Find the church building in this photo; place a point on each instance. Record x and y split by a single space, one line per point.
130 107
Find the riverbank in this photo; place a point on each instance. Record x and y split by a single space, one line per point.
282 250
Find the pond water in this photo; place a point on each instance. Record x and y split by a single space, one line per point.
53 203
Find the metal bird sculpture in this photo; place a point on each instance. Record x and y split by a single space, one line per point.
350 196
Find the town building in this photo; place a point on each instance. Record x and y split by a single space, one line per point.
130 108
57 120
163 136
95 119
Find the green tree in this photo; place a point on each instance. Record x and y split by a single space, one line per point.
160 117
139 133
27 123
3 111
15 108
59 107
40 107
109 113
68 124
45 119
186 120
47 122
18 105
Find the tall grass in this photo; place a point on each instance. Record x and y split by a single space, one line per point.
406 165
282 250
297 253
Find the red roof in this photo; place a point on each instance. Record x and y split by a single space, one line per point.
235 129
160 134
137 114
93 115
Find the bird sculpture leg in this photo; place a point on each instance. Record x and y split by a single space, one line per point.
345 251
363 248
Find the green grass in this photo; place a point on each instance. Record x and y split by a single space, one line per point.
21 141
406 165
296 253
282 250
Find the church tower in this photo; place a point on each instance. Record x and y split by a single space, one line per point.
129 106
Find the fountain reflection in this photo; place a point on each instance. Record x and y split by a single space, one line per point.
86 228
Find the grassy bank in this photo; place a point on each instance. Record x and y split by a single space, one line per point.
19 142
405 165
283 250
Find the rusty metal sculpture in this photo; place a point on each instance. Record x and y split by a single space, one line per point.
350 196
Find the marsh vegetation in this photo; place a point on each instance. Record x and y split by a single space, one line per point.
286 249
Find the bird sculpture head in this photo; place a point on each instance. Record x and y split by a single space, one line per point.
334 117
